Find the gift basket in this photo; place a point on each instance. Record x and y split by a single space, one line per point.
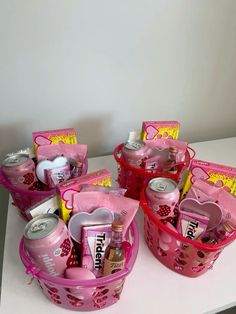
31 175
155 152
94 293
188 232
81 258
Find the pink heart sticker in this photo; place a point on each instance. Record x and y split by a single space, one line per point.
68 198
151 132
198 173
41 140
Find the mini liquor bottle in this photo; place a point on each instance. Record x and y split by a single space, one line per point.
115 254
224 230
172 159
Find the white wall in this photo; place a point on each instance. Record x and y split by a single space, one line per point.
104 66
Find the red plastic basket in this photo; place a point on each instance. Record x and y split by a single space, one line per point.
24 199
182 255
94 294
133 179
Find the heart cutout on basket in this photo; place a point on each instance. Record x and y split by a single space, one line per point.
99 216
48 164
209 209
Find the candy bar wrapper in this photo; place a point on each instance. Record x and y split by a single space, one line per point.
164 144
123 207
95 239
155 130
76 152
67 189
191 225
57 175
105 189
219 175
67 136
48 205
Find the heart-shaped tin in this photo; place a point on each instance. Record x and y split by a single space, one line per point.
210 209
99 216
48 164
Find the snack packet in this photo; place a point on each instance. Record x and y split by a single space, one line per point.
77 152
163 145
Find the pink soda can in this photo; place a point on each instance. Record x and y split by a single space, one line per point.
133 152
19 170
47 241
162 196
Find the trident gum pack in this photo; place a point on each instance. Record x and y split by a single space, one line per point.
95 239
219 175
152 130
68 188
67 136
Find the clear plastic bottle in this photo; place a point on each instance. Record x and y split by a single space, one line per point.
114 259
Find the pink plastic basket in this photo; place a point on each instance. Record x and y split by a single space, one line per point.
182 255
24 199
133 179
106 290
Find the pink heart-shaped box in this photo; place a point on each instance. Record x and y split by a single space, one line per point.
209 209
99 216
48 164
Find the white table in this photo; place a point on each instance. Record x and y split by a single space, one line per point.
151 287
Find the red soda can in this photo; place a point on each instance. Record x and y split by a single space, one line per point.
47 241
134 152
162 196
19 170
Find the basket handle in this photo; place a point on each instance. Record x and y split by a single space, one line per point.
116 152
192 151
133 250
